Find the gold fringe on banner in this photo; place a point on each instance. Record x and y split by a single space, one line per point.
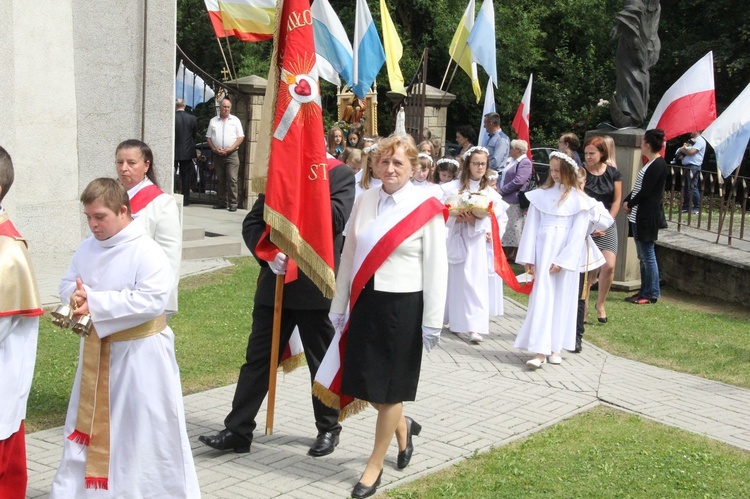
285 235
292 363
332 400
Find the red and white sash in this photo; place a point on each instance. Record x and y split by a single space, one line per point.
374 245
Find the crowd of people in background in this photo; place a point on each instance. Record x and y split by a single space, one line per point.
449 218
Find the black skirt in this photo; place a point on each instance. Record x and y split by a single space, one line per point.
383 355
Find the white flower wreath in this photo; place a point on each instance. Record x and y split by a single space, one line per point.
476 149
425 156
448 160
566 158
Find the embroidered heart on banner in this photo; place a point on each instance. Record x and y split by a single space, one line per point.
303 88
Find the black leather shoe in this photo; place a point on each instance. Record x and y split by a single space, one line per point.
404 456
361 490
324 444
226 440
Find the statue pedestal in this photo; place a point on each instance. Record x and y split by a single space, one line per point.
629 161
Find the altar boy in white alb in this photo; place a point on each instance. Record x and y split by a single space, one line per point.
125 428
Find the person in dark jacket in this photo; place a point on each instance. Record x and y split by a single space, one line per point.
185 128
305 307
644 210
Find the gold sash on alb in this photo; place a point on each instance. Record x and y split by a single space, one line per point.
92 420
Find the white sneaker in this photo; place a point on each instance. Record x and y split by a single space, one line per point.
475 338
555 359
536 363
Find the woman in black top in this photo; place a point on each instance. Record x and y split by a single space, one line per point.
466 137
603 183
644 210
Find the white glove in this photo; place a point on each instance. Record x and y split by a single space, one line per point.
338 321
430 337
279 264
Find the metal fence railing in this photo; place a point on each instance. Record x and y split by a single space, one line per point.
717 195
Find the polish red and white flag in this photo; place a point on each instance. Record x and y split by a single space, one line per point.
521 121
689 104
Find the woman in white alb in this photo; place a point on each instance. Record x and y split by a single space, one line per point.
151 207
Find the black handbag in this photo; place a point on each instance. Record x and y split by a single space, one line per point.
532 184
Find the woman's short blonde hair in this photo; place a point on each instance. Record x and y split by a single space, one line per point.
388 146
519 144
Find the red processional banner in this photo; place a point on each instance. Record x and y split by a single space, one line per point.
298 202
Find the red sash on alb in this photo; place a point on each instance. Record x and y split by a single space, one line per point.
143 197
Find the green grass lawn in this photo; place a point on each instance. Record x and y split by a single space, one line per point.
599 454
679 332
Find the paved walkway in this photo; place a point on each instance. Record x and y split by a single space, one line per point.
471 398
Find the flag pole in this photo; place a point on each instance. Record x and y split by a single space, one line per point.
233 72
221 49
450 59
725 209
274 364
455 68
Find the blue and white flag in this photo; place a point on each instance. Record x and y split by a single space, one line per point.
482 40
369 56
332 46
191 88
489 107
729 134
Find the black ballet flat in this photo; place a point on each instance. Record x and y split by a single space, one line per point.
361 490
404 456
603 320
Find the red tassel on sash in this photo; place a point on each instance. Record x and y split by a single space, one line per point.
79 438
97 483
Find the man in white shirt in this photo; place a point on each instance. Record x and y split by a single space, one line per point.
224 136
692 153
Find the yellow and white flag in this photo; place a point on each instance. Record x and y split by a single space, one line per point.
460 50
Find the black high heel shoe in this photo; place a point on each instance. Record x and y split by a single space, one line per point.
412 428
361 490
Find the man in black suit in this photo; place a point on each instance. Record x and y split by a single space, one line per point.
185 128
304 306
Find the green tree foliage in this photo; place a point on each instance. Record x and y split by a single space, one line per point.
565 44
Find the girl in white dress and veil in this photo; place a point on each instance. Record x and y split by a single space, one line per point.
552 242
468 307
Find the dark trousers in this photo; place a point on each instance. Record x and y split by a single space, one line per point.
691 193
581 306
186 170
316 331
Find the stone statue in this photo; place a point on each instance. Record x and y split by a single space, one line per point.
637 51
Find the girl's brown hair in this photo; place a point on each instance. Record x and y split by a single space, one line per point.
466 172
